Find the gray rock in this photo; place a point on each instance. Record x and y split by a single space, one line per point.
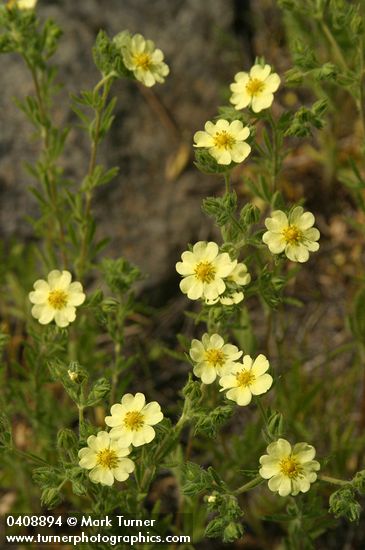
149 216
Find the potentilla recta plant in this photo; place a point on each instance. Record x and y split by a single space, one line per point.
98 435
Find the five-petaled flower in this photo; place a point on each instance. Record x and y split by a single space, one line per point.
293 234
145 61
132 420
203 270
255 88
56 299
212 357
289 470
225 141
105 458
247 379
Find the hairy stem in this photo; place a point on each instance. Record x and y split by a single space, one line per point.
250 485
105 83
332 480
50 179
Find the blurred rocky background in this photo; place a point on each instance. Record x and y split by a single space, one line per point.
152 209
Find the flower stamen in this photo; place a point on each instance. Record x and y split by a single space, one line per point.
107 458
290 467
292 234
205 272
134 421
57 299
245 378
224 140
215 357
255 86
142 60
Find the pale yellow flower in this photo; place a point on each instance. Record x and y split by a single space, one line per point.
289 470
204 270
105 458
132 420
22 4
212 357
247 379
255 88
56 299
225 141
293 234
145 61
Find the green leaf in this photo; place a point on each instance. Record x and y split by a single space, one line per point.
119 274
343 504
99 391
208 165
209 422
222 209
196 479
71 378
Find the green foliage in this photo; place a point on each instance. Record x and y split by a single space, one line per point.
305 119
208 165
107 55
221 208
119 274
210 422
197 480
228 524
343 504
65 403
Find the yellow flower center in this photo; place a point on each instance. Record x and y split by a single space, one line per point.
57 299
292 234
255 86
245 378
216 357
290 467
134 421
205 272
224 140
142 60
107 458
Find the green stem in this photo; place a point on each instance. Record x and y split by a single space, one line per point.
117 352
81 418
275 154
81 408
182 420
104 80
46 127
332 480
61 484
30 456
333 42
250 485
106 83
